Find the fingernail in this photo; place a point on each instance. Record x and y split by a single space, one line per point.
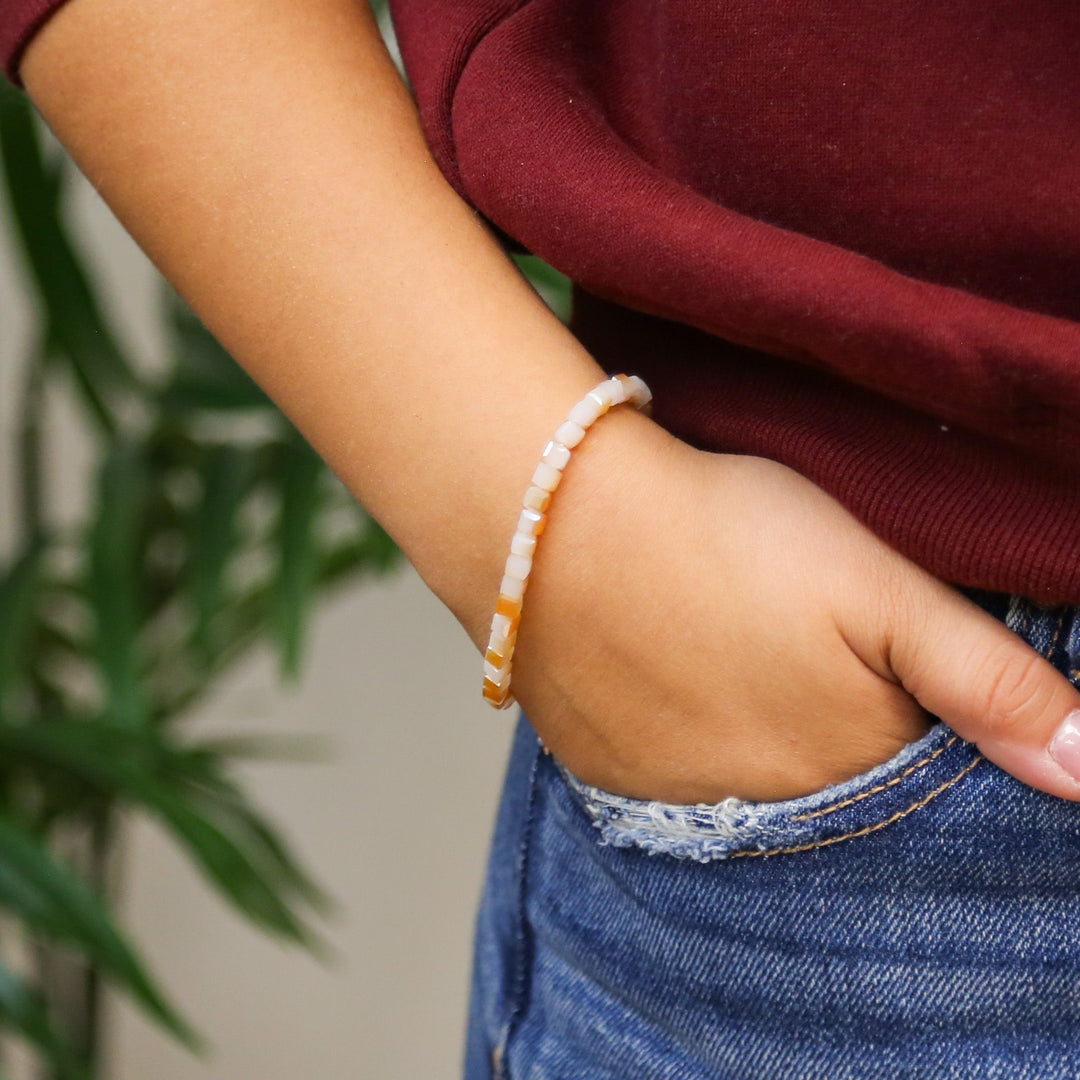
1064 747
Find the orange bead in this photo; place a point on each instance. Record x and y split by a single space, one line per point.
508 606
494 695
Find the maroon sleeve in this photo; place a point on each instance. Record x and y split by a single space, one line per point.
20 20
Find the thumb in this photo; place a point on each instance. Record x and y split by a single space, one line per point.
989 686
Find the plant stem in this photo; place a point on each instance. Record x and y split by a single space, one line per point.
74 988
102 875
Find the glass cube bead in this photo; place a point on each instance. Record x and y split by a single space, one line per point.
585 412
512 587
508 605
546 477
569 434
536 498
530 522
555 454
523 544
518 566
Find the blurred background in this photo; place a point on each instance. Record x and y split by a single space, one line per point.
225 699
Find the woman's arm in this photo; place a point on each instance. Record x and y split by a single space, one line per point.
268 157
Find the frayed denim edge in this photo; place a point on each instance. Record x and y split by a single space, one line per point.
707 831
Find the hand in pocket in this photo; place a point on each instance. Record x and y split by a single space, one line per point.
702 625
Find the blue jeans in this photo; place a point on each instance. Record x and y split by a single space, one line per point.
919 920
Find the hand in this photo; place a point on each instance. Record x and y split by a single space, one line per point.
701 625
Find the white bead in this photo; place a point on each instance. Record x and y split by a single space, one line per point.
518 566
641 395
500 626
536 498
569 434
600 397
512 586
522 544
618 390
556 455
502 645
496 675
547 476
529 521
585 412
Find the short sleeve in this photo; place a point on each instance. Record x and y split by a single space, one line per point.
20 20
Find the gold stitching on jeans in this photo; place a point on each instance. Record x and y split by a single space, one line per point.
881 787
869 828
1057 633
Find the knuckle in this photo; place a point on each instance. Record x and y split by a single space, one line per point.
1012 689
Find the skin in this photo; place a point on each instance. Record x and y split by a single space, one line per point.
696 625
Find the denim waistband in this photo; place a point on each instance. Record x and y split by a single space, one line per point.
1052 630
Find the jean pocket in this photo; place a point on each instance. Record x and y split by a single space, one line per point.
921 772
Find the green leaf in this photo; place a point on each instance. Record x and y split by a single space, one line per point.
23 1010
76 326
226 473
276 747
52 900
204 375
554 287
298 476
19 588
265 844
135 766
199 768
270 848
113 581
224 862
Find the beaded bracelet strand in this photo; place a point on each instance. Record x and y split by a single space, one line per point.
533 517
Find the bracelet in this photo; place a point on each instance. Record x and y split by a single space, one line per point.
533 517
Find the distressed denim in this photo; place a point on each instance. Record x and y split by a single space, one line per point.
920 920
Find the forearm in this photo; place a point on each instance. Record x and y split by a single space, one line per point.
268 158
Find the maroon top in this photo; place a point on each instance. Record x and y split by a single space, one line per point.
842 236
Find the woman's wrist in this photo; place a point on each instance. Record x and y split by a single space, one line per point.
612 478
607 394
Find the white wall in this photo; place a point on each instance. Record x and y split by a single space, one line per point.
396 825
